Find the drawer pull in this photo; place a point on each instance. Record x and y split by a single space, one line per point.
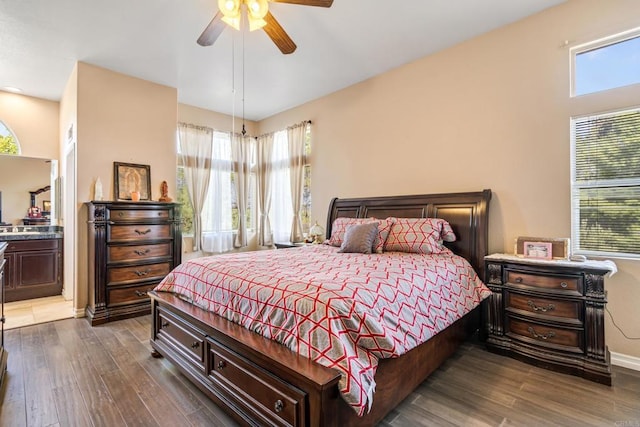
143 232
120 214
195 345
533 333
141 293
563 284
533 305
221 365
141 253
142 273
518 279
164 324
278 406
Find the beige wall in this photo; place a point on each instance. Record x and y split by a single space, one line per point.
489 113
119 119
34 122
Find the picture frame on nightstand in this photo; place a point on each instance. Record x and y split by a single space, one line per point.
560 247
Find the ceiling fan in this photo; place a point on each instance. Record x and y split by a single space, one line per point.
258 15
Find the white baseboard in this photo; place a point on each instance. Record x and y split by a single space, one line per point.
625 361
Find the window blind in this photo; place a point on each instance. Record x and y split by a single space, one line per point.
606 183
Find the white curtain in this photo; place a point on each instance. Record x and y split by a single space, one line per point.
264 171
296 139
195 147
241 155
217 216
281 214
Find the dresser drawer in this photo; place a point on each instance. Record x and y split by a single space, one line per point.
184 338
555 337
255 389
562 310
138 252
129 294
567 285
137 273
139 232
137 214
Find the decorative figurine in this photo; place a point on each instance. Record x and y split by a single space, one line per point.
98 190
164 192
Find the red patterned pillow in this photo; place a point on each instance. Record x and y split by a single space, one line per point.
339 227
419 235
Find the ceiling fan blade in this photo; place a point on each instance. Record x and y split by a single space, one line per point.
319 3
279 36
213 31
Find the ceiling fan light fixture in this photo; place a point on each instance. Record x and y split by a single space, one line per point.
232 21
256 11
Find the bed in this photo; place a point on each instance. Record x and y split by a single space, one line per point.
262 382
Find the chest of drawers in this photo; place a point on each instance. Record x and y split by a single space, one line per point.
132 247
549 313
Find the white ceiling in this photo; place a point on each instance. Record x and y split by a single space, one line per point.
41 40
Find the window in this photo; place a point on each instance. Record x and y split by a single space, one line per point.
606 64
606 184
222 191
8 142
281 215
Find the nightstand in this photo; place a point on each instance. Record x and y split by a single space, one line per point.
549 313
287 245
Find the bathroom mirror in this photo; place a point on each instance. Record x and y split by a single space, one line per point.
19 176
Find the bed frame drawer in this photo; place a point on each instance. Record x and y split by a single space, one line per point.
254 389
183 338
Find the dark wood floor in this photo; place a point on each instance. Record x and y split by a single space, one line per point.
67 373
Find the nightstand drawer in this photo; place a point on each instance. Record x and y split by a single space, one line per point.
562 310
558 338
569 285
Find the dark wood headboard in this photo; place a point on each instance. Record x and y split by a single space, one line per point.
468 214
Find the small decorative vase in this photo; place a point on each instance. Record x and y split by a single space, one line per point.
135 196
97 190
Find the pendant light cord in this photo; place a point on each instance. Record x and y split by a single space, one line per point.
244 131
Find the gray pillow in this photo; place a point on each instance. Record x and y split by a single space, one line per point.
359 238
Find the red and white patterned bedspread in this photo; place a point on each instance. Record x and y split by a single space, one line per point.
342 310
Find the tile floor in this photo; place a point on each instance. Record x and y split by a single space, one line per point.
40 310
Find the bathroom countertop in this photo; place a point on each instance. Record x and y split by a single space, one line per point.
30 236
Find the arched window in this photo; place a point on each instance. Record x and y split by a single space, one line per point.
8 141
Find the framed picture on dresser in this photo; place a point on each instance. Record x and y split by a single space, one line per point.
129 179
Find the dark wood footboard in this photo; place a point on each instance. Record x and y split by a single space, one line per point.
260 382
